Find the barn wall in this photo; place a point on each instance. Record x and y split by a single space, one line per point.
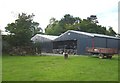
47 46
81 46
71 36
112 43
100 42
67 36
82 43
119 45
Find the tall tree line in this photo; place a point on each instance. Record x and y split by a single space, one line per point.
68 22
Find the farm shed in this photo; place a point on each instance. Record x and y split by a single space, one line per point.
106 41
77 41
45 42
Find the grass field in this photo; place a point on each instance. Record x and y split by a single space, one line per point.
56 68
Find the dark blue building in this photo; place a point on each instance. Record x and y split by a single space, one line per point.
77 42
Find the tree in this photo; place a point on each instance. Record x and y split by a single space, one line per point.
111 32
52 20
118 35
93 19
53 27
68 22
67 19
22 30
0 31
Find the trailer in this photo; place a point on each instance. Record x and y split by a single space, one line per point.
102 52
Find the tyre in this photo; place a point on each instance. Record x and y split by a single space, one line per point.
109 56
102 56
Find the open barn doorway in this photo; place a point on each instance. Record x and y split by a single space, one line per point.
69 45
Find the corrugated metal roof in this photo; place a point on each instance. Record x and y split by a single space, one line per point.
101 35
78 32
84 33
89 34
50 37
94 34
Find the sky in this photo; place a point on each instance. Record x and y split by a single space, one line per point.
106 10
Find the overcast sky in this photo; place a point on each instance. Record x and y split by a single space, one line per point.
106 10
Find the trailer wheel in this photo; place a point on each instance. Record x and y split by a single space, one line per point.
109 56
101 56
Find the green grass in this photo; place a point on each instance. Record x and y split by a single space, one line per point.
56 68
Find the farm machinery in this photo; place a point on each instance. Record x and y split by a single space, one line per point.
102 52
